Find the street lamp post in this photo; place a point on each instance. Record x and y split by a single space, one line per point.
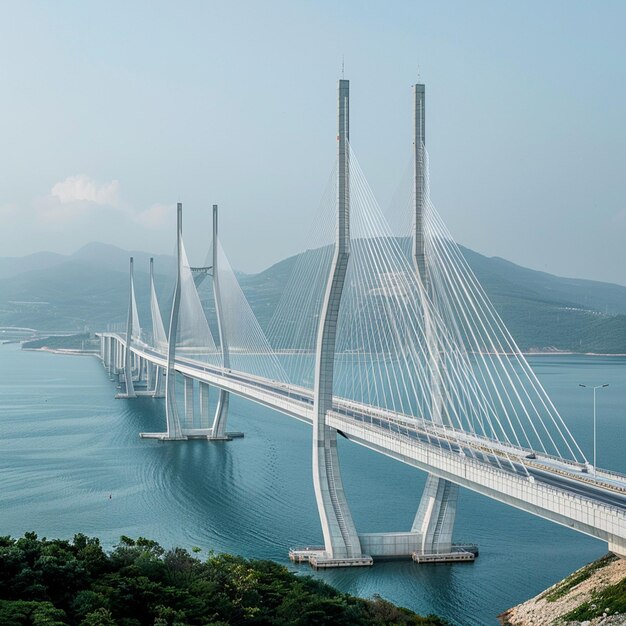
594 421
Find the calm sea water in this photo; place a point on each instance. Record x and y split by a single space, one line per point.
66 445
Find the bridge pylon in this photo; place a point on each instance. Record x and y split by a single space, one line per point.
174 430
436 513
342 546
218 429
156 374
127 376
182 427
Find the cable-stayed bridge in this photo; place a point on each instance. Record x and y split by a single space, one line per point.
388 341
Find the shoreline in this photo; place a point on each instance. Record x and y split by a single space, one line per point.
68 351
591 595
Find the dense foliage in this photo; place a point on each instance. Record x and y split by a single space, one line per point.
56 582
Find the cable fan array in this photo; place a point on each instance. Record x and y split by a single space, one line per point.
136 334
528 417
194 337
432 354
429 353
159 337
292 330
245 343
248 348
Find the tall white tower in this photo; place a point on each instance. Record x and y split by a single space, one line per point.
437 510
341 542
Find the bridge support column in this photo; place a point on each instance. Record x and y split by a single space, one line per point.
437 509
137 366
435 516
150 370
106 354
128 354
110 355
204 404
156 383
189 401
174 431
159 382
218 429
116 357
342 547
122 360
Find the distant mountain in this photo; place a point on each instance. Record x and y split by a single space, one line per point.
606 298
100 254
105 255
12 266
90 289
542 310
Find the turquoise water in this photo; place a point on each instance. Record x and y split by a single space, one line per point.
71 461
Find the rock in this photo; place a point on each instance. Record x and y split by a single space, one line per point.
549 607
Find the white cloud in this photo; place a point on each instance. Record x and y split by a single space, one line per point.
156 217
81 188
76 196
80 196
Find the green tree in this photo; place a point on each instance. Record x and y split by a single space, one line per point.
99 617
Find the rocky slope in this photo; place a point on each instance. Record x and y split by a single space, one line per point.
594 595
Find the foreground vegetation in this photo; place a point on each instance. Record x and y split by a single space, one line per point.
56 582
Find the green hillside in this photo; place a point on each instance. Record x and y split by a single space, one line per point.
90 289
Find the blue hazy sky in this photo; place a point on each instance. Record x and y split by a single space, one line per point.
112 111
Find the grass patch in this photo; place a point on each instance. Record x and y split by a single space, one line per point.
576 578
611 600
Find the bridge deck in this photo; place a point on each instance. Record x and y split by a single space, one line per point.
547 486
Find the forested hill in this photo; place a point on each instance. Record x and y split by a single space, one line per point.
542 311
75 583
90 289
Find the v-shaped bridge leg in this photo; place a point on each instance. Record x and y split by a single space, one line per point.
159 382
435 516
341 541
218 430
434 524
